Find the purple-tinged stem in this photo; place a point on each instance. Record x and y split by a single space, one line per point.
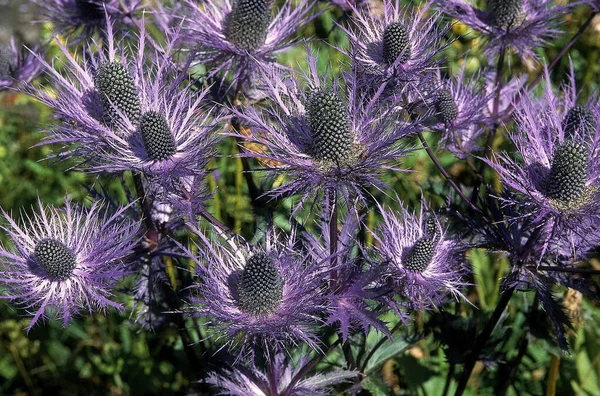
333 239
446 175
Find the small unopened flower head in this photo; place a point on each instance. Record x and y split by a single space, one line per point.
261 289
63 261
505 14
157 137
118 93
396 46
327 117
445 106
580 120
247 23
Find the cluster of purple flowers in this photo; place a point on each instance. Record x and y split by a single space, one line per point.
129 105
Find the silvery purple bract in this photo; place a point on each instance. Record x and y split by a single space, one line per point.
324 135
557 173
238 36
520 25
424 265
17 65
81 19
251 381
264 296
356 281
63 261
395 46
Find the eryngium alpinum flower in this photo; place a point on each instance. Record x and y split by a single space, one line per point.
557 173
521 25
323 136
237 36
257 295
63 261
17 66
81 19
424 265
396 44
252 381
125 109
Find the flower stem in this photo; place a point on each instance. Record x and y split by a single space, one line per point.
333 240
446 175
480 342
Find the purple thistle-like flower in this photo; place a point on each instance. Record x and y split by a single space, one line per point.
395 46
356 279
66 260
266 296
521 25
557 174
17 66
457 105
120 112
251 381
81 19
238 36
424 266
327 137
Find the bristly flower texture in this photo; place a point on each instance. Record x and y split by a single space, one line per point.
456 105
17 66
423 265
238 36
251 381
264 296
558 173
79 20
120 112
356 279
396 46
66 260
520 25
324 136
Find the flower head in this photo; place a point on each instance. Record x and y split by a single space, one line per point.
324 136
17 66
521 25
251 381
557 174
81 19
424 265
120 113
257 295
237 36
66 260
396 46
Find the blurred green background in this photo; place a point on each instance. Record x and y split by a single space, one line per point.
112 355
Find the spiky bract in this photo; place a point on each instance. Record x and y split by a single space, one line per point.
17 65
63 261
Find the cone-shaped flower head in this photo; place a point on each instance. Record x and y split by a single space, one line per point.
322 134
257 295
424 265
252 381
520 25
63 261
394 46
558 176
239 36
126 109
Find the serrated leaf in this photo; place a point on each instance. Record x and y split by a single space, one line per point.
388 350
